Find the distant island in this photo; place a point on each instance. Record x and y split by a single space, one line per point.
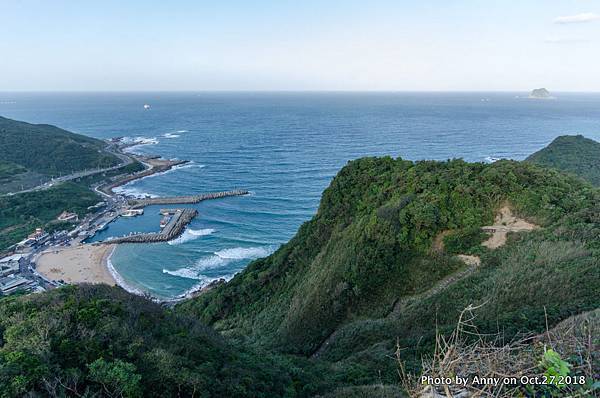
540 93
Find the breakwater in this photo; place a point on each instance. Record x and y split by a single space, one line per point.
189 199
179 220
156 167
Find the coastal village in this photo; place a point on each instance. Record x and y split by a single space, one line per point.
35 264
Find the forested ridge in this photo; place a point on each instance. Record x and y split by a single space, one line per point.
574 154
326 313
48 150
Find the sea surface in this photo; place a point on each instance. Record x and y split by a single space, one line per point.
285 148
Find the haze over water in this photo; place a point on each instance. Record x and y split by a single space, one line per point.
285 148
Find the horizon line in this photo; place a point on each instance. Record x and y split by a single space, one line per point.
288 91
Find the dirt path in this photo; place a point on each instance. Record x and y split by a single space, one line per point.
470 260
504 223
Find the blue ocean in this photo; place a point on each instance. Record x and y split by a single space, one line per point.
285 148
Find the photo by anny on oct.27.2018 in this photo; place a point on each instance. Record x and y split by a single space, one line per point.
328 199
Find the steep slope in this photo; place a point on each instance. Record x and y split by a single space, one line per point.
102 341
49 151
573 154
371 244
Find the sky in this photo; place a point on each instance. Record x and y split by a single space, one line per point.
425 45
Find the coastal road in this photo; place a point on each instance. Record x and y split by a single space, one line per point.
126 160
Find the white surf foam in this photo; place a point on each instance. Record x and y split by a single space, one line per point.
191 234
138 142
171 135
188 165
118 278
183 273
182 131
241 253
204 282
128 190
491 159
220 259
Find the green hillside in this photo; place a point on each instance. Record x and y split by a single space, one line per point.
573 154
21 214
376 269
101 341
48 150
371 246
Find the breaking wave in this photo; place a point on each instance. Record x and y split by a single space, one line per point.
128 190
220 259
241 253
171 135
491 159
137 142
191 234
118 278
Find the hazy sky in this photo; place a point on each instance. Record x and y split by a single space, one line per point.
299 45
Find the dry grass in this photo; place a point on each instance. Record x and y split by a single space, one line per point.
466 353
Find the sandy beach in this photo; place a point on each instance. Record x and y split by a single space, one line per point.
79 264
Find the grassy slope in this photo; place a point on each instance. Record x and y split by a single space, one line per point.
369 244
49 150
574 154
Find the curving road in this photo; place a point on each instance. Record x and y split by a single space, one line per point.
111 148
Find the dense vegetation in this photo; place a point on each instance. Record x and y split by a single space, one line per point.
96 340
29 154
370 247
49 150
573 154
21 214
9 170
374 268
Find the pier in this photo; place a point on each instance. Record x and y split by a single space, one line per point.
180 218
156 165
190 199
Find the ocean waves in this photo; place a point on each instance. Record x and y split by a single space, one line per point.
241 253
220 259
128 190
191 234
135 143
132 189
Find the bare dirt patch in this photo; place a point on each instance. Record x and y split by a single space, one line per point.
504 223
470 260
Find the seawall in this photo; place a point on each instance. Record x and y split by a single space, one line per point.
180 219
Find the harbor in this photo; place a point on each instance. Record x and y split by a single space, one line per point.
179 219
174 220
190 199
45 260
153 165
